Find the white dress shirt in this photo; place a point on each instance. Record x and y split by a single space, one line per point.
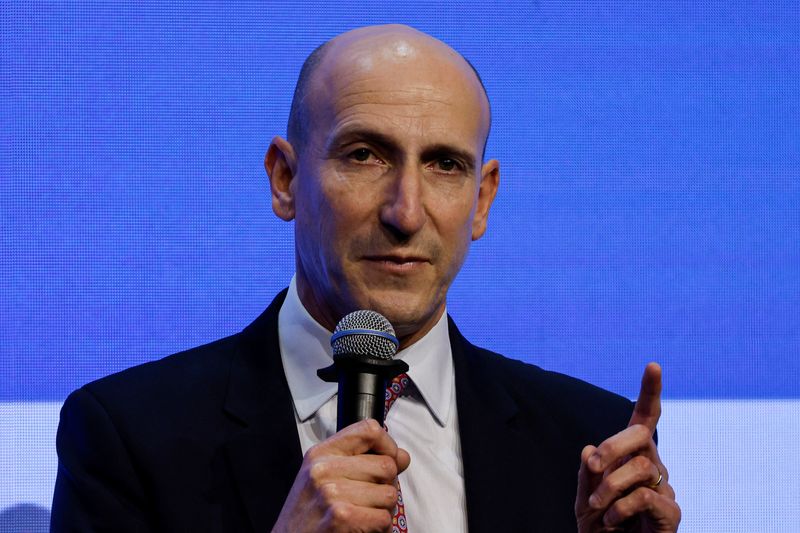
423 420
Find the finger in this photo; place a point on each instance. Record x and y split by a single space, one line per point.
343 516
663 487
359 493
639 471
403 460
361 437
648 406
587 480
660 509
368 468
614 450
666 489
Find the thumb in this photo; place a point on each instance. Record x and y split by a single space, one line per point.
403 460
648 406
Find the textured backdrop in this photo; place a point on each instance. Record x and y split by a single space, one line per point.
649 210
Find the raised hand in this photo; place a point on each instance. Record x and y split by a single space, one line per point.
346 483
622 483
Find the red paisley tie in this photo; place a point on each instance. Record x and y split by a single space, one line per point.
393 391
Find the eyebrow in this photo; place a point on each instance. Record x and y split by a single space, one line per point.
350 135
388 143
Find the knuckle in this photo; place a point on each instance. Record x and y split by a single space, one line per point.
646 496
340 513
388 467
618 512
608 449
642 432
385 520
642 464
315 452
390 497
612 486
329 492
373 430
317 472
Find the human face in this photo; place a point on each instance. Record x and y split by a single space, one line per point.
388 190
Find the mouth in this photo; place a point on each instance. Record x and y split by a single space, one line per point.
397 263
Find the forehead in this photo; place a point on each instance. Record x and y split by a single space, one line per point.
399 83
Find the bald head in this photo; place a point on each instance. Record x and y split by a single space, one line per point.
362 48
383 176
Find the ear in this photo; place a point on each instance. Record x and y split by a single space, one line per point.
281 165
490 180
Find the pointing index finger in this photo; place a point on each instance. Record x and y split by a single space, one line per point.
648 406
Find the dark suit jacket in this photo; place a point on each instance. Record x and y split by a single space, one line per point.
205 440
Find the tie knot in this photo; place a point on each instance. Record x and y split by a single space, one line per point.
394 390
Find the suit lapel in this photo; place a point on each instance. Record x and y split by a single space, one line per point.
264 454
506 459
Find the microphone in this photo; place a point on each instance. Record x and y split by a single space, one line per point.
364 346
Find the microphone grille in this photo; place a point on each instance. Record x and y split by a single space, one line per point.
365 333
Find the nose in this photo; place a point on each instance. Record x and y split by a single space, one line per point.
403 211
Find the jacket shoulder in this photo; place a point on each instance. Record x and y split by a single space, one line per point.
192 364
175 379
158 408
588 412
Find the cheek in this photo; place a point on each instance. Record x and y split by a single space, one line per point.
455 209
460 241
340 213
313 221
455 226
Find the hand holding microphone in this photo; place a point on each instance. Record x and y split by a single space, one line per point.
347 482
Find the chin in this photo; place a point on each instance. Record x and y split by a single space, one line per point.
407 313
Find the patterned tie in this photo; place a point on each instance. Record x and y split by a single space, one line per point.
393 391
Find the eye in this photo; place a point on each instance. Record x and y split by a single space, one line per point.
447 165
362 155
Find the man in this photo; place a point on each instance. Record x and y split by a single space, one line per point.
382 173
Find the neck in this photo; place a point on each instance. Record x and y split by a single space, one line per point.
407 333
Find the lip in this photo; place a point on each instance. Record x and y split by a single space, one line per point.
397 263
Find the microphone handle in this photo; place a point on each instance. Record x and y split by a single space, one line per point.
362 386
361 396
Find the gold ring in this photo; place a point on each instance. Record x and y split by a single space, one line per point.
657 483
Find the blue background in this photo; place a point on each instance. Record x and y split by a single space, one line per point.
649 205
649 209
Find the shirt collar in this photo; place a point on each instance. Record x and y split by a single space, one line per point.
305 347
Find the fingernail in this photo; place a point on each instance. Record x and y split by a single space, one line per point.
595 463
594 501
